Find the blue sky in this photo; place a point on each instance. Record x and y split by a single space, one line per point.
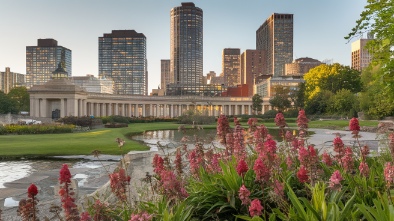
319 28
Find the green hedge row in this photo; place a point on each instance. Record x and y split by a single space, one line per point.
36 129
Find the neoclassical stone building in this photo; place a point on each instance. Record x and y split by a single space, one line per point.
60 98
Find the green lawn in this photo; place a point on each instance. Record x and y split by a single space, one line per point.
84 143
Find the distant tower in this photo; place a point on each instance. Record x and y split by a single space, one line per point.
231 66
275 36
122 58
187 46
43 59
166 76
360 55
252 64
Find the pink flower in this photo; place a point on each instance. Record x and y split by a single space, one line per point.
347 160
303 155
223 128
262 172
32 191
65 175
158 164
280 120
270 145
255 208
302 174
364 151
335 180
244 194
364 169
389 174
278 188
302 121
143 216
119 181
289 162
326 158
242 167
85 217
354 125
289 136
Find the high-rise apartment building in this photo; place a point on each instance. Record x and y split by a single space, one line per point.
166 77
9 80
186 48
43 59
275 36
252 64
360 55
231 67
122 58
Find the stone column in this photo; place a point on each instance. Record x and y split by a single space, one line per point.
242 109
136 112
116 111
143 110
43 108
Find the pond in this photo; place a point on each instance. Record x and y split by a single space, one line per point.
172 138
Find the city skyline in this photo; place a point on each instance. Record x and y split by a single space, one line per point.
319 28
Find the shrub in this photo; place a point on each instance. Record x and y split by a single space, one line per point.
78 121
37 129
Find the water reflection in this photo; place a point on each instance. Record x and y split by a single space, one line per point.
13 170
174 138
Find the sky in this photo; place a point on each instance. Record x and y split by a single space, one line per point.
319 28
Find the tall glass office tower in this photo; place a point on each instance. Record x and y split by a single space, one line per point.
275 37
122 58
187 48
43 59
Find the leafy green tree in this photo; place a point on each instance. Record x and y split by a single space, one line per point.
319 103
281 100
299 96
343 101
331 78
6 104
257 103
377 19
21 98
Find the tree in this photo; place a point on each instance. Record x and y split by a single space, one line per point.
281 99
299 96
378 20
319 103
6 104
21 98
257 103
343 102
331 78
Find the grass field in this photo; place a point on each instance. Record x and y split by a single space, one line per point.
83 143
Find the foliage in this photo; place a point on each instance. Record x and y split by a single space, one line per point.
377 20
331 78
21 98
319 103
78 121
195 117
257 103
281 100
343 101
7 105
299 96
36 129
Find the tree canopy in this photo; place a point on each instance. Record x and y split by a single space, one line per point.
378 20
281 99
257 103
331 78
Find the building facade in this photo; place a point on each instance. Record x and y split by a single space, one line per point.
301 66
360 55
186 48
166 77
93 84
275 36
231 67
122 58
9 80
43 59
252 64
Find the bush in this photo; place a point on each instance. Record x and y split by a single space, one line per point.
115 125
77 121
36 129
270 114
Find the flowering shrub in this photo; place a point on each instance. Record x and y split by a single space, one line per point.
255 177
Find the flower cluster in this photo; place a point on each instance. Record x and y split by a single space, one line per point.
389 174
242 167
67 193
143 216
335 180
255 208
119 182
27 207
354 126
223 127
244 194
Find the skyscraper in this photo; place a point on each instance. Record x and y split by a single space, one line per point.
43 59
231 66
122 58
9 80
252 64
166 77
187 47
275 36
360 55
